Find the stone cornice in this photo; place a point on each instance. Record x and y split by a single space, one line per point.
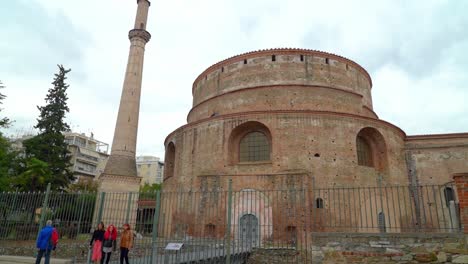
139 33
274 86
438 136
303 173
120 178
149 3
275 112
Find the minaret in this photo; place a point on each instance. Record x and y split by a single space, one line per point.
119 181
121 162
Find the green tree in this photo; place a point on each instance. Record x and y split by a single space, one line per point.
150 188
49 145
5 158
4 121
8 157
84 186
35 176
149 191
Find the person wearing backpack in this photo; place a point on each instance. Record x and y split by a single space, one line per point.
109 243
46 242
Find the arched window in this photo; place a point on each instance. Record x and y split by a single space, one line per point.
371 149
364 152
449 195
319 203
250 142
254 147
169 161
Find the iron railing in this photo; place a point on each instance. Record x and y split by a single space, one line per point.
224 226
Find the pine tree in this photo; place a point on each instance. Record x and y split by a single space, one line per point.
49 145
4 122
8 157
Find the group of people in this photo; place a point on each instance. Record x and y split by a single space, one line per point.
103 242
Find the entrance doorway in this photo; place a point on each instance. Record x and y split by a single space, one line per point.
248 230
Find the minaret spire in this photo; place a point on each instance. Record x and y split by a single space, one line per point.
122 159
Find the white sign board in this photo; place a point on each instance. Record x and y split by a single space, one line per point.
174 246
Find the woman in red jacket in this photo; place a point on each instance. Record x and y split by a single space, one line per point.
109 243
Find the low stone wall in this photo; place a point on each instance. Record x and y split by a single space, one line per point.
341 248
66 249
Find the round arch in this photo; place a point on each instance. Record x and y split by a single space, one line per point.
169 161
371 149
251 132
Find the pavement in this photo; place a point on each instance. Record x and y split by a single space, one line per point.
19 260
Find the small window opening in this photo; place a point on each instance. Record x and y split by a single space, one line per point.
327 61
222 69
302 57
292 234
210 230
364 152
317 155
381 222
206 77
319 203
142 25
273 58
245 61
449 195
347 67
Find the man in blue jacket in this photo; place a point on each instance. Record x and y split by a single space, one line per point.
46 241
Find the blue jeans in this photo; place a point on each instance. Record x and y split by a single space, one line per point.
41 253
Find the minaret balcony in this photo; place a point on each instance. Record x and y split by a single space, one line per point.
139 33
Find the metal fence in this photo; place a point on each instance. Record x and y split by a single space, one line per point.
224 226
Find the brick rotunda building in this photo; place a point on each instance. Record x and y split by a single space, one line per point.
292 119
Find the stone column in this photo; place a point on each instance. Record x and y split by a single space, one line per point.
461 184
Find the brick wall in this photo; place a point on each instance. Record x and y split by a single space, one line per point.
461 183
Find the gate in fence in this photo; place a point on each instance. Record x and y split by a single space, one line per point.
225 226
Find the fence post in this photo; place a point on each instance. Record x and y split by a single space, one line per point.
381 220
101 206
44 209
228 226
313 215
81 212
129 205
154 242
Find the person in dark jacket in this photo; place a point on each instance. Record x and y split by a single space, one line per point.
46 242
96 243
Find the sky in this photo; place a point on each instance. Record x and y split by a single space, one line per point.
415 51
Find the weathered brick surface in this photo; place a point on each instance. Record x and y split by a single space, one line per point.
312 105
437 157
461 183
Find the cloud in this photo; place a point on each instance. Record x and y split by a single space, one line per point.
35 41
415 52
